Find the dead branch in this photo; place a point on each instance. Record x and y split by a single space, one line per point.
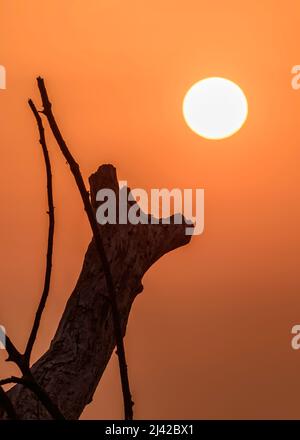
72 367
47 110
50 212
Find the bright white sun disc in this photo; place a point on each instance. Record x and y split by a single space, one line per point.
215 108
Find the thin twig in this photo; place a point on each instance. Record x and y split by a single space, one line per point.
47 111
12 379
47 279
7 405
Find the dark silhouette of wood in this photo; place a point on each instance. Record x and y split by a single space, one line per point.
71 369
45 293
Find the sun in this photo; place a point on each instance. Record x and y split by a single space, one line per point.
215 108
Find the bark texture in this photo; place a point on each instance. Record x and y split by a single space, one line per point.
73 365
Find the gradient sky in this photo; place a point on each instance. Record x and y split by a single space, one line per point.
210 335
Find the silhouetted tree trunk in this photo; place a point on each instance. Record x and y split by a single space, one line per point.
72 367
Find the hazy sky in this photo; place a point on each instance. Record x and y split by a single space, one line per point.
210 335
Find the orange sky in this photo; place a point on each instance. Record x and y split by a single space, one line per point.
210 335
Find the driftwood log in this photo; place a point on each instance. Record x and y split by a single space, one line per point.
73 365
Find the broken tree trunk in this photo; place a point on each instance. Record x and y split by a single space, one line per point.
84 341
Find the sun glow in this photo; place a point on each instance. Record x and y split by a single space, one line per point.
215 108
